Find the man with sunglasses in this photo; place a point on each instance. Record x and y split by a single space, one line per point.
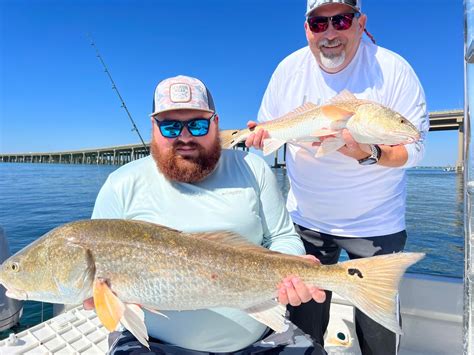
353 199
189 184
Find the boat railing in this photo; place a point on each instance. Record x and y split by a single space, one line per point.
468 321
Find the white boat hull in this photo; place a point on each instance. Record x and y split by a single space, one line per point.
432 318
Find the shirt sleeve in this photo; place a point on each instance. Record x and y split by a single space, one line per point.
269 106
278 231
108 203
409 100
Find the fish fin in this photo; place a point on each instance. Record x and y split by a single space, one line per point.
271 313
323 132
304 108
372 285
336 113
134 320
344 95
225 240
296 112
156 312
299 110
271 144
108 306
329 145
231 137
307 139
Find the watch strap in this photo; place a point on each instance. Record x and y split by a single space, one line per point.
374 157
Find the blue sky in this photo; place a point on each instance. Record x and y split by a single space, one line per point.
55 96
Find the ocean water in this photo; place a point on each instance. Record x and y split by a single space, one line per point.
35 198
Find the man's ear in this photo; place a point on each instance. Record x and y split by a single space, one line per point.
153 125
307 31
362 22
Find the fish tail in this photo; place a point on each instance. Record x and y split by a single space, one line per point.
371 284
230 137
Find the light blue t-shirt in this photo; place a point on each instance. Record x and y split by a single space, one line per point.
242 196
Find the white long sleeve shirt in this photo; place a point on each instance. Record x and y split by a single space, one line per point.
334 194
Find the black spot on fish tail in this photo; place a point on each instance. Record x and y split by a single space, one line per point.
234 133
353 271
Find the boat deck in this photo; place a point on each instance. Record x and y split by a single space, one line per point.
76 331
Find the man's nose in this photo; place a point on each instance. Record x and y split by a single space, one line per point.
330 33
185 135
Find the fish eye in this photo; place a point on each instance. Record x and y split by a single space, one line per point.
402 120
14 266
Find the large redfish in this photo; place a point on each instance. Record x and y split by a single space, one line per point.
367 121
126 263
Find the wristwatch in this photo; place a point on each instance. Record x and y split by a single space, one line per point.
374 157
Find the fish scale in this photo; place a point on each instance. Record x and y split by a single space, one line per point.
171 288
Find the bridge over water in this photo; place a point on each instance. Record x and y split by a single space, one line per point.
118 155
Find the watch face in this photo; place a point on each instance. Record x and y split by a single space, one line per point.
368 161
374 157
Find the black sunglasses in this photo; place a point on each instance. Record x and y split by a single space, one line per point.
341 22
197 127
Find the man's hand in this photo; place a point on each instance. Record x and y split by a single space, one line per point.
352 148
294 292
255 140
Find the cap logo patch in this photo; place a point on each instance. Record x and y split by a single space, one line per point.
180 92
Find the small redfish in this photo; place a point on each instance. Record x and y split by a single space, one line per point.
367 121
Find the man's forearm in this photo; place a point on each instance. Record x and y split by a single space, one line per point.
393 157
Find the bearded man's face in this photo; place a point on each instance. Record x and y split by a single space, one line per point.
186 158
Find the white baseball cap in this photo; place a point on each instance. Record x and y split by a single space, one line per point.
182 93
314 4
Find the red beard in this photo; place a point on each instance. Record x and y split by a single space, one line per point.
190 169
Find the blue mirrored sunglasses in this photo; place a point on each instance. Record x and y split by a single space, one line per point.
197 127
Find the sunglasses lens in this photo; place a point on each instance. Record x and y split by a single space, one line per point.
342 22
170 129
318 24
198 127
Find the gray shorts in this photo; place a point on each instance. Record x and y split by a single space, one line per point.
293 342
327 247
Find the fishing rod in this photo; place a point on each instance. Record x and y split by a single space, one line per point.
114 87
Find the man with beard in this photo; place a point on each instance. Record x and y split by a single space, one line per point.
353 199
189 184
